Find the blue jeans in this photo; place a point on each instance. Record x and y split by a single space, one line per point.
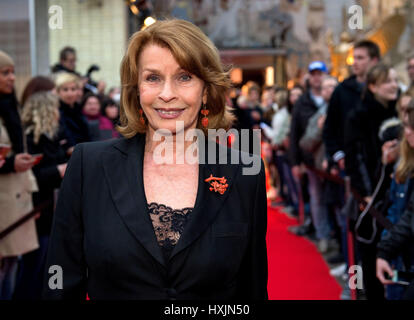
319 210
291 184
8 268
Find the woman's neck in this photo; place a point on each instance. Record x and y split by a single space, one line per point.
172 148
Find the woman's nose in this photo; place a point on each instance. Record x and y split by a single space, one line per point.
168 91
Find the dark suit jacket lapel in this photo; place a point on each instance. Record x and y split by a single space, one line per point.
123 170
208 203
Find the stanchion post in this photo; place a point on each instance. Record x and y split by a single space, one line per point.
301 204
350 236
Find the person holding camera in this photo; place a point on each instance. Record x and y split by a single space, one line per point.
398 241
67 61
363 153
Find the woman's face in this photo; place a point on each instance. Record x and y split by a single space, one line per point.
92 106
253 96
404 102
68 93
268 97
167 92
294 95
7 78
408 131
111 111
387 90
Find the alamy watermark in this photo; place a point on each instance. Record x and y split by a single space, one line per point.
355 277
56 18
56 280
356 21
247 140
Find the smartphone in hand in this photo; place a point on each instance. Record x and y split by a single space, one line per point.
401 277
37 158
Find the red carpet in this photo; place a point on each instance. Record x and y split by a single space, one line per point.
297 271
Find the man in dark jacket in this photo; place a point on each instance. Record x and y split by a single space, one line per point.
345 97
307 105
67 62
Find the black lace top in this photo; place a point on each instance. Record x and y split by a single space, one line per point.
168 225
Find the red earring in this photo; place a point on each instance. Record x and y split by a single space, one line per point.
141 116
205 112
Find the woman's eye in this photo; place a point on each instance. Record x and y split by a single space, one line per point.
185 77
152 78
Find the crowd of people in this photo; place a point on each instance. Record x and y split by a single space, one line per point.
37 134
323 134
314 135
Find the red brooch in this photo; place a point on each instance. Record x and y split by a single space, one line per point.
217 184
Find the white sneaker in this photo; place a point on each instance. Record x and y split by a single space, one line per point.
338 271
323 245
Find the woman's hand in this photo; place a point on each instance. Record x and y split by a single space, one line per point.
382 268
70 151
2 162
325 164
341 163
367 200
23 162
62 169
390 151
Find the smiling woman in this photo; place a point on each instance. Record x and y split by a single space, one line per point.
128 227
188 51
363 153
168 93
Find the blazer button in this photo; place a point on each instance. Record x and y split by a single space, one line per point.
172 293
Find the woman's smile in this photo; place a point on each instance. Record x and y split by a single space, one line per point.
170 113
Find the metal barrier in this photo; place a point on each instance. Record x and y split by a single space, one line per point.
37 210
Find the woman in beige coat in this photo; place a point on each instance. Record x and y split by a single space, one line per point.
17 183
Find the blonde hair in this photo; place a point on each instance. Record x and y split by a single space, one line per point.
41 115
281 98
195 53
405 168
64 78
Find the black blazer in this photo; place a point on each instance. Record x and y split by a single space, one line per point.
103 237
